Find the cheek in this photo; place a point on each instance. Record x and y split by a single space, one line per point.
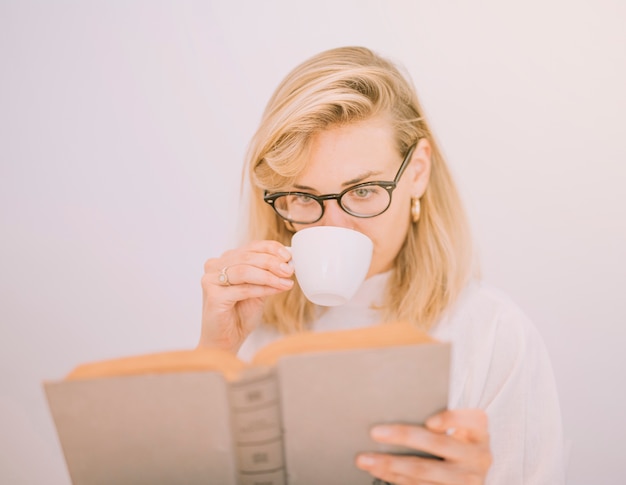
388 232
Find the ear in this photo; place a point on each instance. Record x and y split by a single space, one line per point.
419 168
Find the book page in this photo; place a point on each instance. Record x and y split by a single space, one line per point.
195 360
384 335
330 400
145 429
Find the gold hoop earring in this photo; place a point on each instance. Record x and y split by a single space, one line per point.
416 209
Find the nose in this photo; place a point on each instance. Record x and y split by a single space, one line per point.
334 215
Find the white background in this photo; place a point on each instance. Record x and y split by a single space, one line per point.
122 131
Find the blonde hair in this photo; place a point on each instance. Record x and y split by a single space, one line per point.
343 86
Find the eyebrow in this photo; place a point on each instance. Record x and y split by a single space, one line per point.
348 183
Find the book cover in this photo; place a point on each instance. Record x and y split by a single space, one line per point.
298 414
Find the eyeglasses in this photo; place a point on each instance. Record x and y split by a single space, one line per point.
368 199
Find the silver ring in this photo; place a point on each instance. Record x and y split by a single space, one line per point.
222 278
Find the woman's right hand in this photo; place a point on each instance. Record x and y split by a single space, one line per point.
231 309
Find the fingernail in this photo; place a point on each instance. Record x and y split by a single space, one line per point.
285 268
366 461
286 282
285 253
380 432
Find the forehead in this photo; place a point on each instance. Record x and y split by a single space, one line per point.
345 153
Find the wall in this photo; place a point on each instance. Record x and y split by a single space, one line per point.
122 130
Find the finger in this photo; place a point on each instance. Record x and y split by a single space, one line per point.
437 443
261 253
243 274
262 261
421 439
249 267
259 285
470 425
402 470
231 295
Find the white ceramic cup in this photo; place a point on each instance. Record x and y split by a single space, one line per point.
330 262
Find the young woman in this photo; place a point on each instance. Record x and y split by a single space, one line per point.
343 127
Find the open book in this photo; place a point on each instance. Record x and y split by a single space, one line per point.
298 414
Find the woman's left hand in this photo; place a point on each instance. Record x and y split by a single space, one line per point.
460 437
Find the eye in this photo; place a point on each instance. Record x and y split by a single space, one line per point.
301 199
364 192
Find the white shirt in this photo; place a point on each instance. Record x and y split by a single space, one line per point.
499 364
